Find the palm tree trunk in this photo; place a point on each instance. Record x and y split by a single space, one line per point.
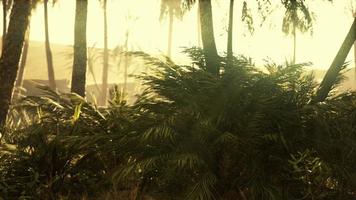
23 60
91 62
4 20
229 39
170 33
104 84
333 71
50 68
210 52
355 58
294 43
80 48
199 28
9 61
126 63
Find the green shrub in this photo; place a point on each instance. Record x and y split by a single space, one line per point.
249 133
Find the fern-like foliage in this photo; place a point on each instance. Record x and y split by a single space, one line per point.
249 133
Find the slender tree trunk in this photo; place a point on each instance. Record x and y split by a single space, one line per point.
9 61
4 20
80 48
333 71
229 39
212 58
199 28
126 63
294 44
23 60
91 62
104 84
354 15
170 33
50 68
125 74
355 57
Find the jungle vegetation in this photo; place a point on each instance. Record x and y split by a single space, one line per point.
219 127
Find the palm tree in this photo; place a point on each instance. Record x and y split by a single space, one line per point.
24 54
207 32
355 49
172 9
4 20
352 8
126 61
355 57
198 28
9 61
126 48
354 15
338 63
297 17
23 60
104 85
80 48
6 5
50 68
230 30
93 56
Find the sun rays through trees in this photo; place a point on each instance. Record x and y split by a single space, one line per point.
215 126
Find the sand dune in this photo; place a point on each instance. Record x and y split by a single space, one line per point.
36 68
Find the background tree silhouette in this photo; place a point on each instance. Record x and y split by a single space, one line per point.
230 33
104 86
297 17
49 56
170 8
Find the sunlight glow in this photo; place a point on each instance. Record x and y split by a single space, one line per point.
149 34
141 19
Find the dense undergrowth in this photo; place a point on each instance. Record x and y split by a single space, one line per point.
249 134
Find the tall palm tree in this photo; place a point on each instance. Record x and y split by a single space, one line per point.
333 72
207 29
172 9
6 5
355 50
50 68
104 85
126 61
23 60
297 17
230 30
9 61
4 20
354 15
352 8
80 48
198 28
170 34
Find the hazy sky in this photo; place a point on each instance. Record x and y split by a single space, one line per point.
147 33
